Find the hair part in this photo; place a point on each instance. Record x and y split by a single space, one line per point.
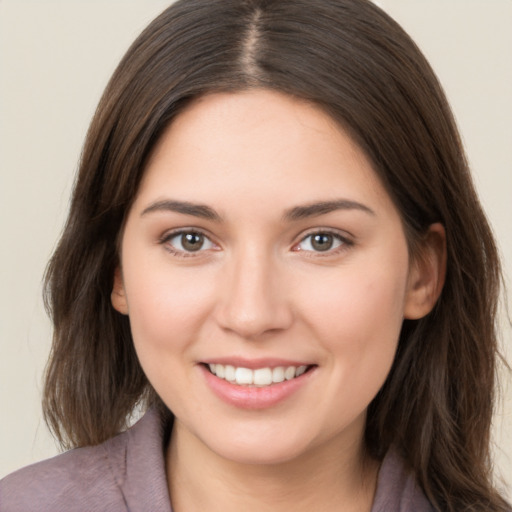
350 59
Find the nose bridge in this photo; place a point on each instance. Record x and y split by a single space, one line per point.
254 299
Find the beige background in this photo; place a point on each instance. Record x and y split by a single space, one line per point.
55 59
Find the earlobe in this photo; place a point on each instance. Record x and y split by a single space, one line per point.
427 274
118 295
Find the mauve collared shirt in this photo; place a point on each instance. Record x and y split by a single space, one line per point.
127 474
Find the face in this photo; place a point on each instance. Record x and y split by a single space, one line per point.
266 276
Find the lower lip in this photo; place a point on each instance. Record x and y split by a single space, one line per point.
253 397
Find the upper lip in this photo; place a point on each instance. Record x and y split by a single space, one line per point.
253 364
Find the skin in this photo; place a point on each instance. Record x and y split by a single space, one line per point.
257 288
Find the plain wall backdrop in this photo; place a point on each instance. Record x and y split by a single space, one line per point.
55 59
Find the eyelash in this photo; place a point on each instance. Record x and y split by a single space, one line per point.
167 237
344 243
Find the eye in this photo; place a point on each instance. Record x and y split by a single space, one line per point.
321 241
188 242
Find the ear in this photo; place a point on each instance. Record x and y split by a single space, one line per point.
427 273
118 295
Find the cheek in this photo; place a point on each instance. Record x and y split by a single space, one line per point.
167 310
360 336
358 321
167 307
360 302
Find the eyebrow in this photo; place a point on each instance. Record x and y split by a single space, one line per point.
293 214
324 207
185 207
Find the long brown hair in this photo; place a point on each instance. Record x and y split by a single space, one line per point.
349 58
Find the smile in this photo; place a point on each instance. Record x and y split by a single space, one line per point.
259 377
265 384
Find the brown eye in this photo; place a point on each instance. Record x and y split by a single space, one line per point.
322 242
192 241
188 242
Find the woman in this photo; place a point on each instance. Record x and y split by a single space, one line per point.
275 245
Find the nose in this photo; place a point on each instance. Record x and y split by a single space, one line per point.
253 301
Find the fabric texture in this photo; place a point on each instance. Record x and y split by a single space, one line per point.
127 474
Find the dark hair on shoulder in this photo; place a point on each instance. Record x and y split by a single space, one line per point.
352 60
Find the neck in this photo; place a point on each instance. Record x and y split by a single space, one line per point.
322 479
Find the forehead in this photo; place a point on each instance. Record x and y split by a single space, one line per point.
260 145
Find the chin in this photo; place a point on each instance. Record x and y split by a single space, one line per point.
264 454
267 445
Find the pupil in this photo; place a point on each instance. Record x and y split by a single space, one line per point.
192 241
322 242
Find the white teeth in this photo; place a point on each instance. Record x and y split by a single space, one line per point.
242 375
289 373
260 377
263 377
220 371
229 373
278 374
300 370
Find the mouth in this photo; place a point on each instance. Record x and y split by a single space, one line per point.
257 377
256 384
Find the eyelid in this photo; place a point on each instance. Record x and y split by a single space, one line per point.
345 239
169 235
342 236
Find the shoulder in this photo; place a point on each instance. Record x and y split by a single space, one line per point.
70 481
397 488
124 473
